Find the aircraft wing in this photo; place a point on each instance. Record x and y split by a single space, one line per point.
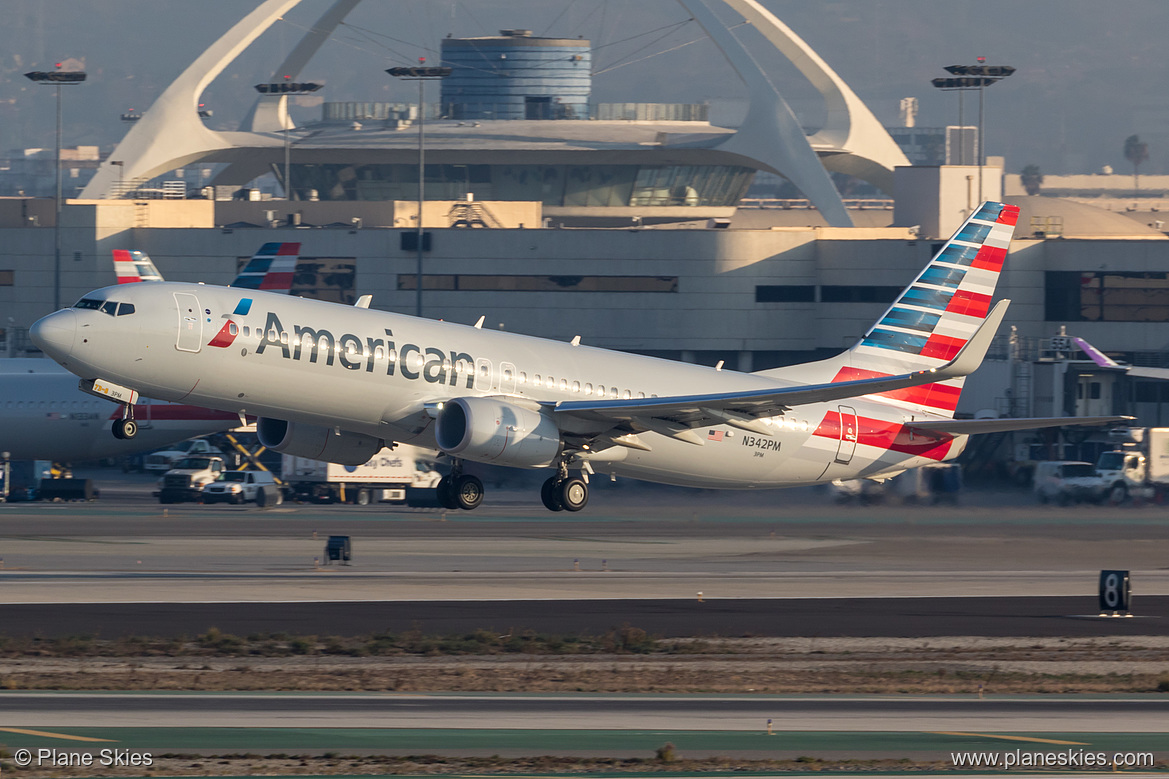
772 401
972 426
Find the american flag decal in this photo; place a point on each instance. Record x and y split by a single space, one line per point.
715 435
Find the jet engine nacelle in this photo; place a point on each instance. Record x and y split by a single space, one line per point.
492 431
316 442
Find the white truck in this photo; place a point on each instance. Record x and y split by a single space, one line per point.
1138 468
163 460
186 480
392 475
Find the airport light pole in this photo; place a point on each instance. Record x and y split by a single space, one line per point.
285 89
421 74
57 78
967 77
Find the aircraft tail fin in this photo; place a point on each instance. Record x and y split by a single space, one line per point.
933 318
271 268
132 266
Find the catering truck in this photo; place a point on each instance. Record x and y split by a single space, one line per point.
403 474
1137 468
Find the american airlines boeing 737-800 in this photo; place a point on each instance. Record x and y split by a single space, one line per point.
336 383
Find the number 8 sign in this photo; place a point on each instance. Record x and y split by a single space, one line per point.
1115 591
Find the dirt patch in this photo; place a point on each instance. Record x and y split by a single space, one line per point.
808 665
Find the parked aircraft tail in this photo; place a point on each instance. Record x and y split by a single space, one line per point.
132 266
271 269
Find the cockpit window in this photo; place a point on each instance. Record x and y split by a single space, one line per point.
111 307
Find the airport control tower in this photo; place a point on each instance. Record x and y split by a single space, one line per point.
516 75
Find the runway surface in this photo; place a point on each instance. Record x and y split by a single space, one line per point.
885 617
585 712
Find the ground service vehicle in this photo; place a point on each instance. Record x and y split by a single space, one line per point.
237 487
187 479
1065 481
1138 468
164 460
392 475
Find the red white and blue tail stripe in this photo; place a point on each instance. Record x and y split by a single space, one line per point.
271 269
937 314
132 266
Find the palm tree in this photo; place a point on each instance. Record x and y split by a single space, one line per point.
1136 151
1031 179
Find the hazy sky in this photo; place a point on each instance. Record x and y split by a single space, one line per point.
1090 73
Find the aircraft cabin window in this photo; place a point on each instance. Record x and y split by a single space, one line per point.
523 378
627 395
641 394
537 380
233 328
550 382
125 309
564 385
600 390
247 331
283 337
588 389
576 386
379 352
393 355
612 392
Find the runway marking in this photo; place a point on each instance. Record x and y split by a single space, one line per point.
44 734
1010 738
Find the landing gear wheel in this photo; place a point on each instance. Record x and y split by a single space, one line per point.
363 497
125 429
468 492
1118 494
573 493
446 493
550 494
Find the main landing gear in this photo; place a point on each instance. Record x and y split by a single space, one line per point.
460 490
563 492
125 428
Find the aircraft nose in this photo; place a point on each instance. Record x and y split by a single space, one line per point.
55 333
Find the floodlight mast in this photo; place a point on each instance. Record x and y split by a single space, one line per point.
286 88
978 77
422 73
58 79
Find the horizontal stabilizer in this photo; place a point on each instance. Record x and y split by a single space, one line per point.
972 426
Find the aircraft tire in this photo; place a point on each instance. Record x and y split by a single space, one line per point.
116 429
445 492
468 492
573 493
550 495
363 497
129 429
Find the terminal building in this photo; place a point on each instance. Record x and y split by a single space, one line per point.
549 214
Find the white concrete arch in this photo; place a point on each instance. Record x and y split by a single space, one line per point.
851 140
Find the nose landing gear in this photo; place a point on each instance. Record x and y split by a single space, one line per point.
125 428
